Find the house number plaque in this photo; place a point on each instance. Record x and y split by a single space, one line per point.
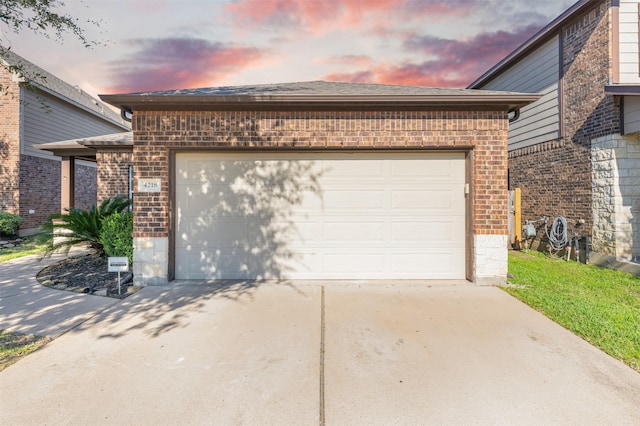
149 185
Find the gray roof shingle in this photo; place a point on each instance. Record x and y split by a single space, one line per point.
314 88
318 94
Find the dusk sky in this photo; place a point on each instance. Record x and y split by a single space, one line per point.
149 45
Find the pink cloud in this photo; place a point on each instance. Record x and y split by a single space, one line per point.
346 60
321 16
172 63
451 63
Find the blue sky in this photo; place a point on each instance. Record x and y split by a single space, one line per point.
168 44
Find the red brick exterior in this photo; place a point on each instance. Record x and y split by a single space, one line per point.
9 143
38 179
40 189
28 182
113 173
555 177
156 134
86 186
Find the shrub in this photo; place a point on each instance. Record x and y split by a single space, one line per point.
116 235
9 223
79 226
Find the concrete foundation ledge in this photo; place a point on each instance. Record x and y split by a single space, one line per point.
612 262
491 281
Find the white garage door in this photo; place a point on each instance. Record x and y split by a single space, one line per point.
320 215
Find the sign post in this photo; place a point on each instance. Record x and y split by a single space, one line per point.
118 264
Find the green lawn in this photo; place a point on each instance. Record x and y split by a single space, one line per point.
14 346
31 246
600 305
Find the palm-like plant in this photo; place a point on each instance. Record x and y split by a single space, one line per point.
78 226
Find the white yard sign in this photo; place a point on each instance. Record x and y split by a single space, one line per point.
118 264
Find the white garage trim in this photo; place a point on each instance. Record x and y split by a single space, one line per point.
319 215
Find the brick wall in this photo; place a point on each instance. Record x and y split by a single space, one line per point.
555 177
9 143
39 190
156 133
86 186
113 173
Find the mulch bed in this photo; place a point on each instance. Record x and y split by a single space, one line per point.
85 274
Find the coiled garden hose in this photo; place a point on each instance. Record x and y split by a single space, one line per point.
557 236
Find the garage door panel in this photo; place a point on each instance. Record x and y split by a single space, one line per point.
354 264
320 215
213 200
348 200
424 169
349 168
428 233
218 232
238 263
304 232
440 264
310 202
428 200
353 232
197 171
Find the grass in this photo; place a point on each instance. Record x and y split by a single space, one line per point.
600 305
32 245
14 346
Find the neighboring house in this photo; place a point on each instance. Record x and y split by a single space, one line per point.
33 183
315 180
576 151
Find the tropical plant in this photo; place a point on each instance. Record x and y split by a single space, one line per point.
116 235
78 226
9 223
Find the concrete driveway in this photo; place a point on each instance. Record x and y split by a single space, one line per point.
308 354
28 307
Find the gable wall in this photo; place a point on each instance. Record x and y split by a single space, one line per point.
629 40
48 119
9 143
537 73
156 133
483 135
555 176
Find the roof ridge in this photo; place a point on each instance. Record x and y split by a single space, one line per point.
40 78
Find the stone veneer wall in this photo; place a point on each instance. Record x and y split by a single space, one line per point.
616 196
555 176
157 134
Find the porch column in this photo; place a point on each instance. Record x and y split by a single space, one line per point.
67 183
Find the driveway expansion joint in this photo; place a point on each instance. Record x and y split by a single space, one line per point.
322 349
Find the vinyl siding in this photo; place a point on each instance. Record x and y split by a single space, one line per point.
629 44
48 119
537 73
631 114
